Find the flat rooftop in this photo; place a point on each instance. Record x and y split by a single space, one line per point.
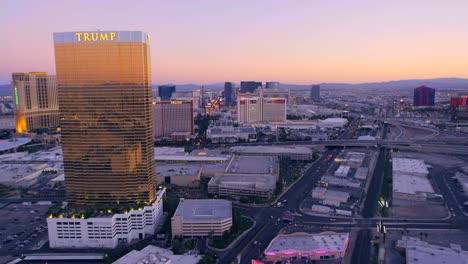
259 182
410 184
271 150
156 255
253 164
204 210
418 251
177 169
409 166
304 242
51 155
13 143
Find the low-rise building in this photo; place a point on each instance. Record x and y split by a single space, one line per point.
321 209
20 175
73 229
156 255
418 251
343 212
334 122
294 153
410 187
323 193
252 176
199 218
180 174
242 185
342 171
406 166
361 173
334 181
410 180
304 246
230 134
331 202
354 159
254 165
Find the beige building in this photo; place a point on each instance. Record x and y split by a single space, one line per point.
249 109
274 109
252 108
35 101
172 116
180 174
197 218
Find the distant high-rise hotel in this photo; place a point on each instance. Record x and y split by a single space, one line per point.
166 91
424 96
272 85
259 108
104 94
315 93
35 101
459 101
228 93
250 86
172 116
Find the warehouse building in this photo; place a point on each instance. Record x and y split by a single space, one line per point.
409 187
354 159
187 175
334 181
342 171
254 165
410 180
304 247
197 218
406 166
361 173
418 251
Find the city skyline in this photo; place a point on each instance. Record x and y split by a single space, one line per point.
300 42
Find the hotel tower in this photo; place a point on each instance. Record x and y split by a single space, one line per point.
35 101
104 94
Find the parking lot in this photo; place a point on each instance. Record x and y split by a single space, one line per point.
23 227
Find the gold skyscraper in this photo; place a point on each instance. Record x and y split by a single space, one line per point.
104 92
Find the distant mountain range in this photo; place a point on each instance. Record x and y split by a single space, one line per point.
438 83
441 83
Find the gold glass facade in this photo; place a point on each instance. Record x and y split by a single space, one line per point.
104 88
35 101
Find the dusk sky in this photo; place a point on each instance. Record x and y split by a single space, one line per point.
301 42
